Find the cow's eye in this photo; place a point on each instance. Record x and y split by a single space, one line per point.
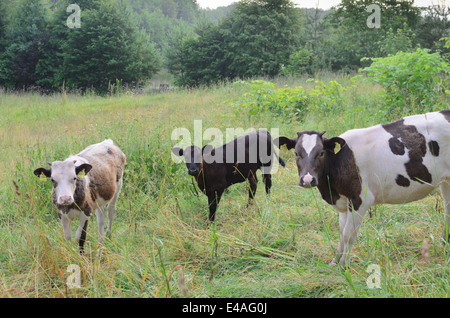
321 154
74 178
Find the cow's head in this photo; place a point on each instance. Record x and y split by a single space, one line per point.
63 175
312 152
193 156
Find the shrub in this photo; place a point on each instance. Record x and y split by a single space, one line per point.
327 98
413 82
289 103
299 63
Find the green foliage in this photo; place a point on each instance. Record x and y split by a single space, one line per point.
161 18
412 82
400 40
41 51
255 39
433 26
288 103
107 47
352 39
327 99
25 38
299 63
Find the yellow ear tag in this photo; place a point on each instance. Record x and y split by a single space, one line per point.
42 177
81 174
337 147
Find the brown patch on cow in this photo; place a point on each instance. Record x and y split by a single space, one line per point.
341 175
402 181
434 147
416 144
446 114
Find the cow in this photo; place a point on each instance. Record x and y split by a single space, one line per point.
86 183
234 162
394 163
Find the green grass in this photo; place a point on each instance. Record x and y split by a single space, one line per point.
162 245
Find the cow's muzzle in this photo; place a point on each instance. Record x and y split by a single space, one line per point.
65 200
193 172
307 181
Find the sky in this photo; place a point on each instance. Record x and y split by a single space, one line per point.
323 4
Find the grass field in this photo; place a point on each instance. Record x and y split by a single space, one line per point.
162 245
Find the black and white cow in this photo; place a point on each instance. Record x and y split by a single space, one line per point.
87 183
395 163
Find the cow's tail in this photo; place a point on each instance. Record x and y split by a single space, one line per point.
280 160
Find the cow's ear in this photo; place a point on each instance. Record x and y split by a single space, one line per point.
177 151
207 149
334 145
290 143
43 173
82 170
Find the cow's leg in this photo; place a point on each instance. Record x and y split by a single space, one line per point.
267 179
349 225
100 213
65 221
81 232
213 202
445 192
112 207
342 221
253 182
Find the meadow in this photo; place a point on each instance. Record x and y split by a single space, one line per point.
162 244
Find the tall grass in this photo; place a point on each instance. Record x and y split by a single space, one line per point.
162 244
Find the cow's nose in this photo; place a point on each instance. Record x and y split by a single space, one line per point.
65 199
193 172
308 181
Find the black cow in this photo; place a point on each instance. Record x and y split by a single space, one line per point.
236 161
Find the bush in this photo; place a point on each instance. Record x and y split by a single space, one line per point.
291 104
413 82
299 63
327 98
288 103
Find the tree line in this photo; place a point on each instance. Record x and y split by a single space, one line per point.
131 41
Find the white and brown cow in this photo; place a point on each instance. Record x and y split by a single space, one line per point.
87 183
395 163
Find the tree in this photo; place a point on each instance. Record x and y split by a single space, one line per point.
261 35
255 39
176 55
399 41
25 40
144 61
105 49
352 39
299 63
